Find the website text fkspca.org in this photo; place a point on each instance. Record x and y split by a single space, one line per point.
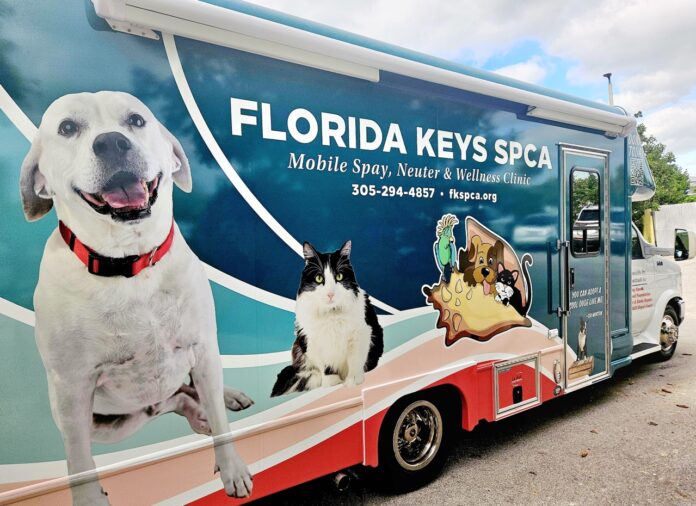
467 196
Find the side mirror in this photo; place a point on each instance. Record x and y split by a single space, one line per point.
684 244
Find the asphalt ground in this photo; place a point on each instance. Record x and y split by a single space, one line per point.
627 440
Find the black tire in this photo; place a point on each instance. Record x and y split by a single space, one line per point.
669 324
429 426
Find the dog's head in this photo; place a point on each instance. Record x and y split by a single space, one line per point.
105 153
484 257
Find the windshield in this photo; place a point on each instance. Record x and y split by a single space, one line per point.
589 215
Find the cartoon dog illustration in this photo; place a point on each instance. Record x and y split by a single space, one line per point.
479 263
125 321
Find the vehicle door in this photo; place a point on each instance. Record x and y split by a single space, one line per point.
584 263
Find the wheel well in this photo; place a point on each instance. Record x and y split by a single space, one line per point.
446 397
674 304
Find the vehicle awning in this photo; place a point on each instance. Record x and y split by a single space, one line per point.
269 33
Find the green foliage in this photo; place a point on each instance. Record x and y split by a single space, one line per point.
671 181
584 191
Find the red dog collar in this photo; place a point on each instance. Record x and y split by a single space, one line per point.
105 266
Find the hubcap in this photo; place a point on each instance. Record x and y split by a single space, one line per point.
669 332
417 435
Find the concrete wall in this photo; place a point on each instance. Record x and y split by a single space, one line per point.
673 216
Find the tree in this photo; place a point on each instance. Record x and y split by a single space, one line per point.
671 181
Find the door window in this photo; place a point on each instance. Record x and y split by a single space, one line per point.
636 250
585 212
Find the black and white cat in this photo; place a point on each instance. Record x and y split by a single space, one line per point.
337 335
507 292
582 340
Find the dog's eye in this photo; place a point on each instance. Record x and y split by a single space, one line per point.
490 261
68 128
136 120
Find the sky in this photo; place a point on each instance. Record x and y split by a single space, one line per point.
648 45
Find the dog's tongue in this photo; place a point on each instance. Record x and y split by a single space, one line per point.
486 287
125 190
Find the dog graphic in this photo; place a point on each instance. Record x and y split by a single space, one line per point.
479 263
125 321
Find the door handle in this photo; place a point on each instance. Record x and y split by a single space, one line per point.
564 249
572 277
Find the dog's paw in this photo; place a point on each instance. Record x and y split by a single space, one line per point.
89 494
236 478
191 409
236 400
200 425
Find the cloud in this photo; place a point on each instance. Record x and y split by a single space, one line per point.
688 162
646 44
674 126
531 71
472 32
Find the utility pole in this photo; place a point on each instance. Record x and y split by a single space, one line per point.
611 91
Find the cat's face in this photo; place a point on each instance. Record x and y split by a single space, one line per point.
328 281
507 277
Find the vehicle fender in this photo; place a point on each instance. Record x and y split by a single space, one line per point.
652 331
378 399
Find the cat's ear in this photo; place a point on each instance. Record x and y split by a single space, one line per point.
345 249
308 251
515 275
500 267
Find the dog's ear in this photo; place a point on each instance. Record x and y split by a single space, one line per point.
474 247
498 249
37 200
182 171
466 257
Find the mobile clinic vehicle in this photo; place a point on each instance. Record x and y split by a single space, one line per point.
321 167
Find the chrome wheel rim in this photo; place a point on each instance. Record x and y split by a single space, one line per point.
669 333
417 435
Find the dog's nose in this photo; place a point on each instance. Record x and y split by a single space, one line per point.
111 146
485 271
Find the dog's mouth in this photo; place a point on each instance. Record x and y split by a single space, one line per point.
125 197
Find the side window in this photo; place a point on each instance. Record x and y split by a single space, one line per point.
585 212
636 251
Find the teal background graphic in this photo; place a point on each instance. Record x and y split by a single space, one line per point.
41 60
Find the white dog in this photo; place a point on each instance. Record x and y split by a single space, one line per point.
125 321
